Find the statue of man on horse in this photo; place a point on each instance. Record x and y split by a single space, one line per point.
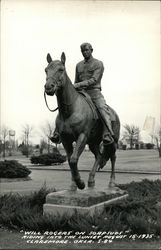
88 77
80 121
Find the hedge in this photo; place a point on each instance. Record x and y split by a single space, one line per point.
13 169
48 159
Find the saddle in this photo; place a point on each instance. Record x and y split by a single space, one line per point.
112 113
90 103
94 109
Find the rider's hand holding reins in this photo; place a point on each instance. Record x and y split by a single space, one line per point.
79 86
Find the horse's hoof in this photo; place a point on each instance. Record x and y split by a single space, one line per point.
80 183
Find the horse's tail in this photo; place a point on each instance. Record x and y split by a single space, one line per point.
115 121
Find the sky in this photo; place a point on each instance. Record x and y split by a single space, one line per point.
125 36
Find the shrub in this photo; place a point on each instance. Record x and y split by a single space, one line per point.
25 150
48 159
25 212
124 147
13 169
149 145
139 212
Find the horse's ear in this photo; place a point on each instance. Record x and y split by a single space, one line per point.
63 58
49 59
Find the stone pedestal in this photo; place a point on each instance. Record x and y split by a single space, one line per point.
89 201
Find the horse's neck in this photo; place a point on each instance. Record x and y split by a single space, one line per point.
66 98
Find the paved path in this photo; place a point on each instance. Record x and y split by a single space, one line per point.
133 165
61 180
128 160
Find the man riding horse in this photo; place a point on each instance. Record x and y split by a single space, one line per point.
88 77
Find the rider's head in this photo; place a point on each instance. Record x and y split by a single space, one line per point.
86 49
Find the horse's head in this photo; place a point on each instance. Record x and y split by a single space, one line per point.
54 74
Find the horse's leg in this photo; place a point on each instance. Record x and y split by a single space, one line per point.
112 177
80 145
91 179
69 150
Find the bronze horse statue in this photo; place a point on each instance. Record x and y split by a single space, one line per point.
77 122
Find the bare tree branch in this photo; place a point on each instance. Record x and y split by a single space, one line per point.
48 130
4 133
27 130
157 137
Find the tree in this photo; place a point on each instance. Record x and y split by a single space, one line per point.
158 141
131 134
27 129
4 133
43 145
48 130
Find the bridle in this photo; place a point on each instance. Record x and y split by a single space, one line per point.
52 110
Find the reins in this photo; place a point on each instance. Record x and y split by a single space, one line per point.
52 110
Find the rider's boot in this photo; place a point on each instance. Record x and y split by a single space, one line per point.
108 134
56 137
104 155
107 138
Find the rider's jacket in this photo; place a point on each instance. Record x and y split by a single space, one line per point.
89 73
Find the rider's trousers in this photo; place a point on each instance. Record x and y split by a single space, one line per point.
102 108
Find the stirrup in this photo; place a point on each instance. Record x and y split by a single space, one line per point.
105 143
107 139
